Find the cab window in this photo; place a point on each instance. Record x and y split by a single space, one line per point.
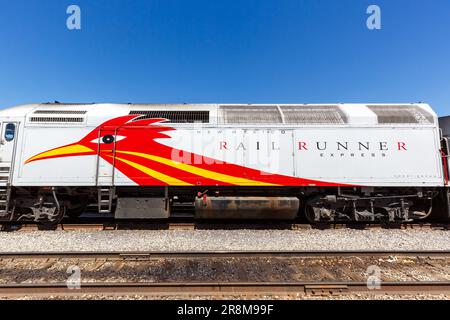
10 131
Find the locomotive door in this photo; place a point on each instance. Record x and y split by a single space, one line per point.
106 152
7 147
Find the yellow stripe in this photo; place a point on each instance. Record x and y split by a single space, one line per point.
66 150
199 171
155 174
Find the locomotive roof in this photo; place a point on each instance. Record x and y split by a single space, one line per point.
236 114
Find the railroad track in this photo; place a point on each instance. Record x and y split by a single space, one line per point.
188 287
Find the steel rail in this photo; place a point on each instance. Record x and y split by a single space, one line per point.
144 255
217 288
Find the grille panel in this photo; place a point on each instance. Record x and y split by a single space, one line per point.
331 114
174 116
56 120
401 114
60 112
251 114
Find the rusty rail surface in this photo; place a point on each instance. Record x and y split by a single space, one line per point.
143 255
211 288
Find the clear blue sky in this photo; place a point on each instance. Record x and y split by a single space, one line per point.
307 51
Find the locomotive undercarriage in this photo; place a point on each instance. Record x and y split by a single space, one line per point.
317 205
375 208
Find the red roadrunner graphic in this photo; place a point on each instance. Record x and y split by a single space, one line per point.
149 163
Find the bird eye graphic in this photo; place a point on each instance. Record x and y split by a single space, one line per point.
108 139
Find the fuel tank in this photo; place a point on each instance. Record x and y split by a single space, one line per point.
282 208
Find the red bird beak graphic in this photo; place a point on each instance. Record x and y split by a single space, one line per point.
93 143
70 150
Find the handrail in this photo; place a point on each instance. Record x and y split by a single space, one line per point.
445 158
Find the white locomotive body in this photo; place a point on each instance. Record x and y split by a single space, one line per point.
345 162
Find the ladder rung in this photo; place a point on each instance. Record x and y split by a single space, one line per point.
105 197
4 201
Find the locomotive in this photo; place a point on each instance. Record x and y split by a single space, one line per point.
325 163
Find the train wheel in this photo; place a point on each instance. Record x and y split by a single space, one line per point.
75 212
310 215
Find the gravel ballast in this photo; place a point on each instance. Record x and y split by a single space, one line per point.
230 240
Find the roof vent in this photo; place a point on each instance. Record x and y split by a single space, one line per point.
60 112
175 116
56 120
246 114
310 114
396 114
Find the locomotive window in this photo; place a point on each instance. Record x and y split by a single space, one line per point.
10 131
